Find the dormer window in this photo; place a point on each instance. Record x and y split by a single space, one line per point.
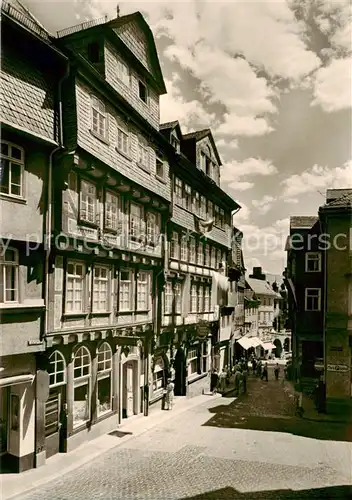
208 167
175 143
123 73
93 52
142 92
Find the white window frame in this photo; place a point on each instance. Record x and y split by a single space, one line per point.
188 197
128 293
203 207
55 359
207 251
200 305
88 202
101 289
192 360
158 374
16 162
184 248
99 114
143 155
104 371
200 253
143 291
82 380
123 73
192 250
175 246
153 228
213 257
178 190
178 297
136 222
196 202
76 279
207 294
122 141
112 211
313 257
194 298
168 297
307 296
9 268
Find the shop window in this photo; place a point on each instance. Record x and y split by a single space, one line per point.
9 275
11 170
74 287
158 375
99 118
88 200
57 369
101 289
104 385
81 387
192 358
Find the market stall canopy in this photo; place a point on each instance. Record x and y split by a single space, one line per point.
248 342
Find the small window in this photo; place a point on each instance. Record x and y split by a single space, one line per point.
188 197
123 73
159 168
99 118
142 92
158 375
175 143
112 211
88 198
168 297
125 292
143 284
123 143
175 246
153 228
313 262
143 155
9 275
74 287
101 289
93 52
136 222
313 299
184 248
178 297
11 170
194 298
192 250
178 190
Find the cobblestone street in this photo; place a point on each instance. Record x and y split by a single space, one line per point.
183 458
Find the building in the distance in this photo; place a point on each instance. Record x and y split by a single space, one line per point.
196 322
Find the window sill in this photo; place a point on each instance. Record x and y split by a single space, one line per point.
143 167
111 231
99 137
100 313
18 306
196 376
142 311
122 153
161 179
69 315
14 199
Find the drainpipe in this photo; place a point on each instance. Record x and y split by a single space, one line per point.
48 224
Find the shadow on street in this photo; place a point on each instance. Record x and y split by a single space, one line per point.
334 492
269 406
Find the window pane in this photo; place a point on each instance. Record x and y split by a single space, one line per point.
81 404
104 395
4 175
16 153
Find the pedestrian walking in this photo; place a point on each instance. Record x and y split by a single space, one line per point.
265 372
277 371
222 380
169 396
254 365
238 379
244 379
214 381
259 368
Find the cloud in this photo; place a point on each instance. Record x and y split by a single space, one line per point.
190 114
318 178
293 201
226 144
248 167
242 215
240 186
333 83
264 205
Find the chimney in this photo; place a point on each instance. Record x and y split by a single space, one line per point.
257 274
117 11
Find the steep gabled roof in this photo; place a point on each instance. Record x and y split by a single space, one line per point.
343 201
333 194
198 135
169 125
167 128
302 221
261 287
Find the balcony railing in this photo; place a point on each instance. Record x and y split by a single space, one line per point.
81 26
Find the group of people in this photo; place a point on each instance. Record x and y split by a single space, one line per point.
237 375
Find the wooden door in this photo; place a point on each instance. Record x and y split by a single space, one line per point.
129 379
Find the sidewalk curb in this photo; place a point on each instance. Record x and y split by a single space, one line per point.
88 457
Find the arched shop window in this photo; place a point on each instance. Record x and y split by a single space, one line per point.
57 369
158 375
104 382
81 386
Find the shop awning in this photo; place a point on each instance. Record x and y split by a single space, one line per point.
18 379
256 342
245 342
268 345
